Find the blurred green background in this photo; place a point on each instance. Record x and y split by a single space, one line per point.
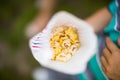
16 60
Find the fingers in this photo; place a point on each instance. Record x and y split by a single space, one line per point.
106 54
103 68
104 62
119 41
110 45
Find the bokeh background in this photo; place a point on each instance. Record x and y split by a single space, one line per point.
16 60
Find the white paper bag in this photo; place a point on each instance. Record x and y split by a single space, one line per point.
43 53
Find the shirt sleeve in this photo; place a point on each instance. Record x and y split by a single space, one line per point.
112 7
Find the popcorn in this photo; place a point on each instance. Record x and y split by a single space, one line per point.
73 38
64 42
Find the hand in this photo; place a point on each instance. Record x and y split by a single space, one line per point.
41 20
111 60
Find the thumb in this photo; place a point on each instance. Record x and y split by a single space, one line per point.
119 41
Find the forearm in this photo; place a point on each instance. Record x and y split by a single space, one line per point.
46 11
42 19
99 20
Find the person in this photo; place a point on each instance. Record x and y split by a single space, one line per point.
105 64
107 21
38 24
